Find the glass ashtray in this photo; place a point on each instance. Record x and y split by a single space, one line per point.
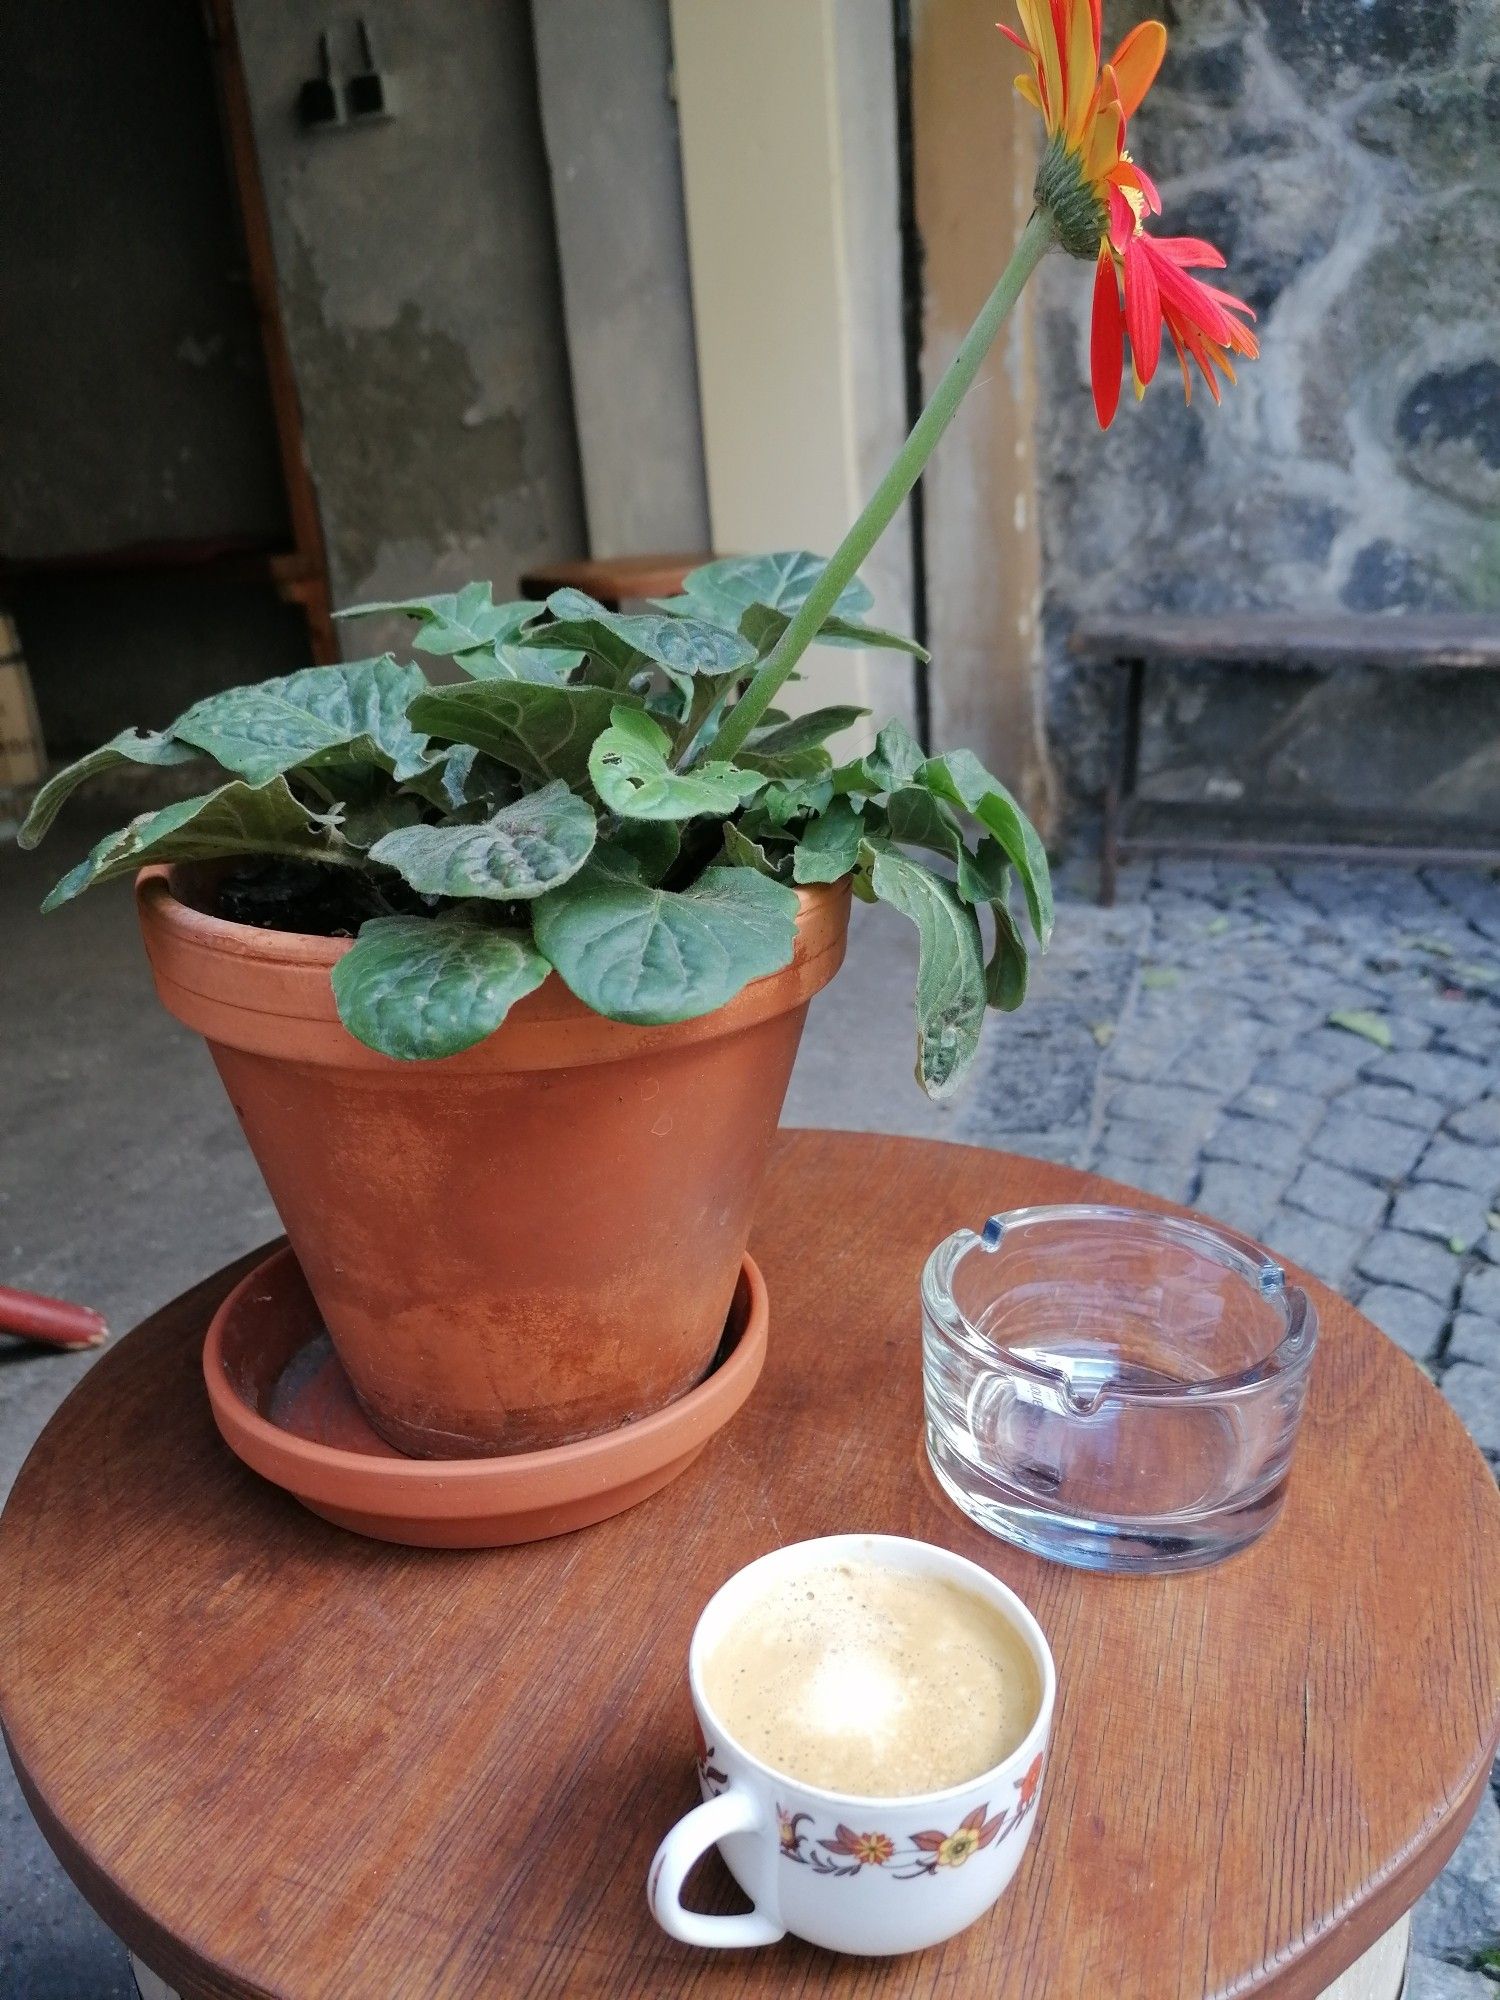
1113 1388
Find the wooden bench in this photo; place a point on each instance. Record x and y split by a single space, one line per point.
613 580
1412 645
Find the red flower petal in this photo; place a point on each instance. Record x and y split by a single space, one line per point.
1142 308
1011 36
1147 187
1106 342
1186 250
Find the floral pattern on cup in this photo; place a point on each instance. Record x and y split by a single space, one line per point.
849 1851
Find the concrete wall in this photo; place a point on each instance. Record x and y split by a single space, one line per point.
420 291
605 78
1345 154
975 152
788 122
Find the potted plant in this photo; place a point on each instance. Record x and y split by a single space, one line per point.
505 977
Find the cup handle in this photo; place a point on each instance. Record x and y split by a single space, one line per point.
734 1811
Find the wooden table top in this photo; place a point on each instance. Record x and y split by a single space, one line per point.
281 1760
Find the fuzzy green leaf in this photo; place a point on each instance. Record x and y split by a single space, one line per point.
650 845
131 746
830 846
236 820
422 987
1008 973
961 780
914 818
895 761
629 767
355 712
647 955
542 732
950 966
681 645
526 848
804 732
725 590
763 626
740 851
520 663
456 621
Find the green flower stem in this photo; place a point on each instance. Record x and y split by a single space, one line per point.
906 469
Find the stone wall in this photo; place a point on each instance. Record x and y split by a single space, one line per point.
1345 155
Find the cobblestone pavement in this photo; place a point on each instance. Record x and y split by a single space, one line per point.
1311 1054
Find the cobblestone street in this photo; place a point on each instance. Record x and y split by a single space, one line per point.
1311 1054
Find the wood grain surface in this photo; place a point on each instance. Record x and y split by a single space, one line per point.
280 1760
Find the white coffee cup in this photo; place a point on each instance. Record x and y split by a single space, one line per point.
857 1874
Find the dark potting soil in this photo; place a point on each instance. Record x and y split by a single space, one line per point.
312 901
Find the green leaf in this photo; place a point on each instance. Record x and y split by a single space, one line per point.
634 953
236 820
652 845
456 621
520 663
422 987
961 780
727 589
542 732
131 746
1356 1021
804 732
950 966
914 818
742 852
798 798
763 627
356 711
1008 973
681 645
829 848
800 765
524 849
364 822
631 774
895 761
1156 978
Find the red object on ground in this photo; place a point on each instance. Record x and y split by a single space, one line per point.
52 1321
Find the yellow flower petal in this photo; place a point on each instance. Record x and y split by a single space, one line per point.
1082 74
1136 62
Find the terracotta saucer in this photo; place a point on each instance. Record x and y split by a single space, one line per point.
284 1405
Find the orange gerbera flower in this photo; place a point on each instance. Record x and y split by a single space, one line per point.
1200 319
1099 198
1085 109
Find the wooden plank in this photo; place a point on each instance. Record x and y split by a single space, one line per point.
282 1761
614 580
286 405
1273 639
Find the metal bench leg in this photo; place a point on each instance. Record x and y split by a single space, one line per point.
1120 787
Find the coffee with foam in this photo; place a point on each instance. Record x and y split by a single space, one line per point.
859 1678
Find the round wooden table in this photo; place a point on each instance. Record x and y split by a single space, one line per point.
280 1760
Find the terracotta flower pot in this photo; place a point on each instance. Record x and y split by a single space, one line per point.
515 1247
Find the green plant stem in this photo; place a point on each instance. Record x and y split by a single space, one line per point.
1036 239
